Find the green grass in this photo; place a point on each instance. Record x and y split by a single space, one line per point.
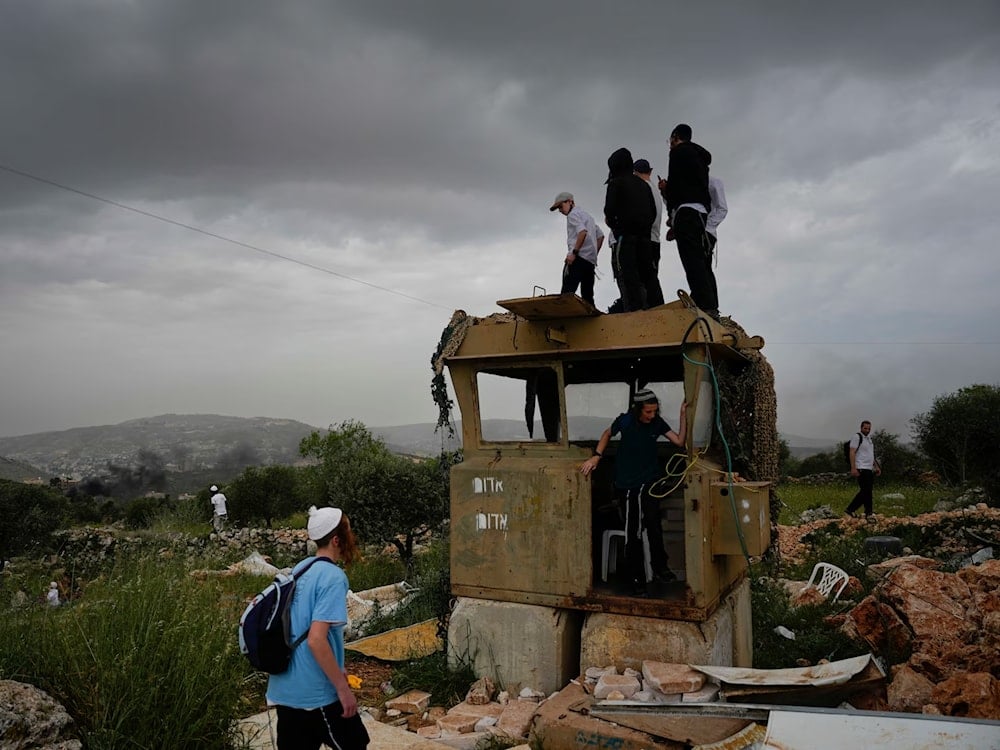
147 658
800 497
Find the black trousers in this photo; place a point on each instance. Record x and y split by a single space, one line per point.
307 729
696 257
866 483
633 266
579 273
642 513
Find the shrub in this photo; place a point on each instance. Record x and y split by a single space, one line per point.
147 659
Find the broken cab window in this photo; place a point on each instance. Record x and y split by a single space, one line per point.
519 404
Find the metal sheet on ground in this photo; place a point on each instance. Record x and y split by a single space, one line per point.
411 642
808 730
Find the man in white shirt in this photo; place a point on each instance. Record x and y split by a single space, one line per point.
218 509
583 242
865 467
718 211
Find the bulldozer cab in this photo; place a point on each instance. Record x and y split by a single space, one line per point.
536 388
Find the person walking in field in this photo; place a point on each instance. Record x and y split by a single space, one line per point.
864 466
219 514
314 701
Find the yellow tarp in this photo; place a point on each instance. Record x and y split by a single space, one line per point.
400 644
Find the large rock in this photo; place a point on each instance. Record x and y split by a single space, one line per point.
932 603
878 625
974 695
909 690
31 718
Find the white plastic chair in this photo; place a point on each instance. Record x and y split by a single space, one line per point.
826 577
609 552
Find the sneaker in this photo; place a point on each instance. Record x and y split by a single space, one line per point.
665 576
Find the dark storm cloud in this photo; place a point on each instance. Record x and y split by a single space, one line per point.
416 147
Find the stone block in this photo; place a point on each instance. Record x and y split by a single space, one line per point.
457 724
672 678
609 683
909 690
532 645
707 694
481 691
412 702
516 718
476 710
724 639
430 732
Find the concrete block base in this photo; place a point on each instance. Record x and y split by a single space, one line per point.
626 641
516 644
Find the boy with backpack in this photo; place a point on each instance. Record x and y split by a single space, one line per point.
314 703
864 466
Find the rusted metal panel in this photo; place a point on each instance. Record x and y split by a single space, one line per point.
549 306
660 328
749 501
523 524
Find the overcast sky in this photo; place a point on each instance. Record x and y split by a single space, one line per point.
416 147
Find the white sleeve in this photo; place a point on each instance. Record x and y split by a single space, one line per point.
719 207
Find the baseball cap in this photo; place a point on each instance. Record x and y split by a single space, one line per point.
559 199
213 488
322 521
642 166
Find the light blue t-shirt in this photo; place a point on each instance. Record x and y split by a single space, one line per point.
320 596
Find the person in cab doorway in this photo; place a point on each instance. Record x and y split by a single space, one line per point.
685 193
219 514
637 468
865 467
583 242
315 705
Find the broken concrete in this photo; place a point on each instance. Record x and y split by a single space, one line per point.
626 685
672 678
528 644
412 702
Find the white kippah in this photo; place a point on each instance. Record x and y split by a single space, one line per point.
323 520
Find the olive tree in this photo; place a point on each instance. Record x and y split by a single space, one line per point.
390 499
960 435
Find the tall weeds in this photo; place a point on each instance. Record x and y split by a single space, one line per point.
147 658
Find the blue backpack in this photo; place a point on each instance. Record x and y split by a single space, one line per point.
265 627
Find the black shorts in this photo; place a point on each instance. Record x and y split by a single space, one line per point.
307 729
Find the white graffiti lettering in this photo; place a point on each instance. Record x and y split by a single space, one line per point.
485 521
486 484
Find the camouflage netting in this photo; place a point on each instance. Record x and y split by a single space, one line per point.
750 416
451 339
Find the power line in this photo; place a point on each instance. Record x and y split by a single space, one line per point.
207 233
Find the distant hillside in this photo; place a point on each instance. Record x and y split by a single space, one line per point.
19 471
206 445
177 442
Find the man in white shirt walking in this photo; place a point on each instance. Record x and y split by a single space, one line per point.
865 467
219 514
583 242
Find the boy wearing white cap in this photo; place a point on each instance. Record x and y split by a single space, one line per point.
637 468
583 242
315 705
219 513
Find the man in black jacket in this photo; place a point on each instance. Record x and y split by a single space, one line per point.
629 211
685 192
